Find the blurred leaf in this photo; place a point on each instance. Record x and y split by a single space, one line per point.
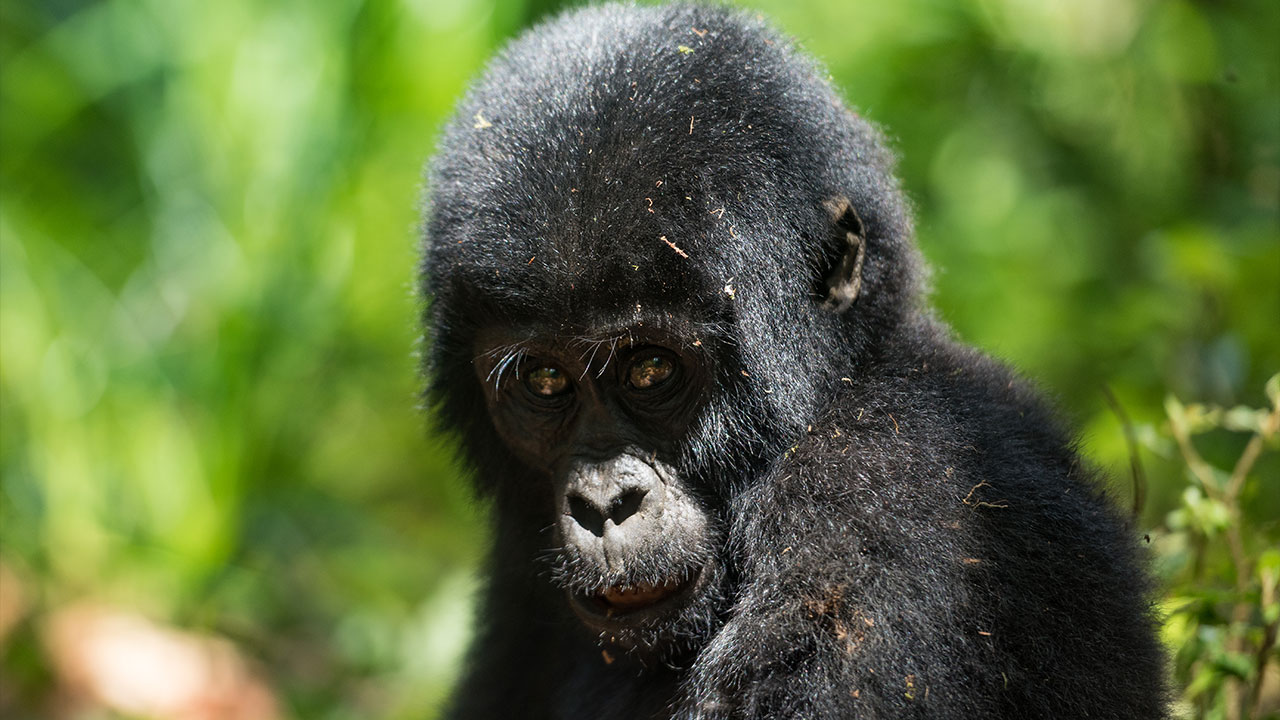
1150 438
1209 516
1202 418
1203 680
1235 664
1244 419
1269 565
1269 576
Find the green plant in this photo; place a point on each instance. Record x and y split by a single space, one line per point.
1223 609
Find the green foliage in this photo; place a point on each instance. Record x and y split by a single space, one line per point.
208 380
1223 609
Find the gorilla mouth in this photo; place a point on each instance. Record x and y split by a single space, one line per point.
635 602
619 600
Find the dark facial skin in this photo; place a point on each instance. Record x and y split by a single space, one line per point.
600 421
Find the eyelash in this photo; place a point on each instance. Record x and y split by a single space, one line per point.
516 363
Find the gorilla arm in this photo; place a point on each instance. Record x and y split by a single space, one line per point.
856 566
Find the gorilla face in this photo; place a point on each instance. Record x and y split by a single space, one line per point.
600 421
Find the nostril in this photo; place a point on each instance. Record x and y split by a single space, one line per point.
586 515
626 505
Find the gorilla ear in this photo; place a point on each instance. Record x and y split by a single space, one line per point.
845 279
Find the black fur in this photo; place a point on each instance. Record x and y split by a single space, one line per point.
896 526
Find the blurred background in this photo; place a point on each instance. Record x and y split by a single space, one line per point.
220 497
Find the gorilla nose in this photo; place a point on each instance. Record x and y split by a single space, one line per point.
623 490
592 515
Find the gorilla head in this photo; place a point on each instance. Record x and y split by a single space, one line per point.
676 322
638 241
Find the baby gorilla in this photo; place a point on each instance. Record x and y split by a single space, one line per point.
736 467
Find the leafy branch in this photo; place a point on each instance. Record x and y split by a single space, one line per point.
1232 680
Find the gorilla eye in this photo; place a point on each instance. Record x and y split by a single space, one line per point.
650 371
546 381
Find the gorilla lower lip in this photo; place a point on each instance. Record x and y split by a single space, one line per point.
640 603
642 595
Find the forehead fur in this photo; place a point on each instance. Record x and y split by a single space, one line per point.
658 159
